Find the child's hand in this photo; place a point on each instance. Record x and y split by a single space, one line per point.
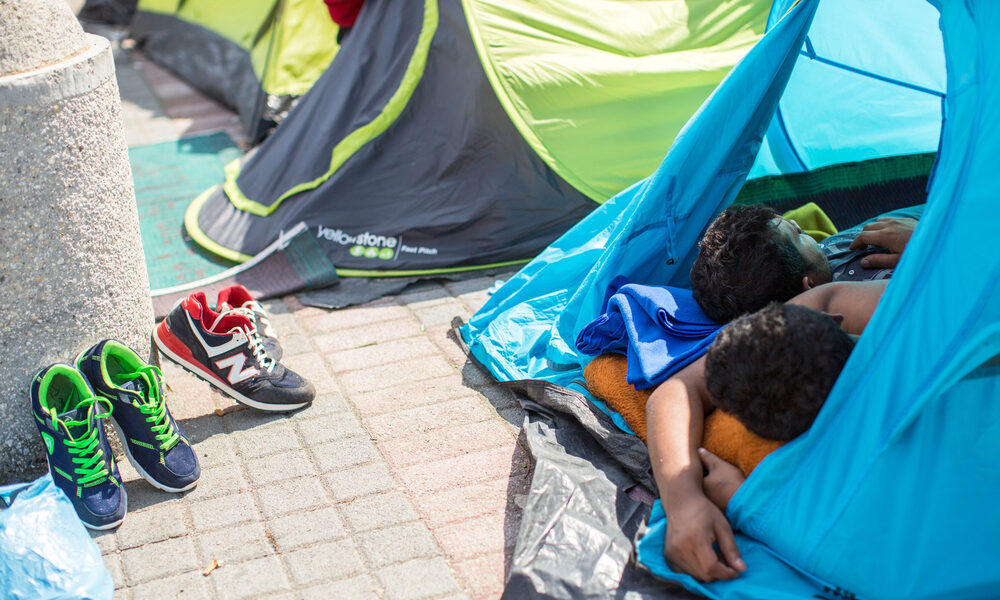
721 479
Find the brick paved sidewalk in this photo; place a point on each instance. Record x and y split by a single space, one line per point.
403 480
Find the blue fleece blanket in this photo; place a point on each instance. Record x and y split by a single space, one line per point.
660 329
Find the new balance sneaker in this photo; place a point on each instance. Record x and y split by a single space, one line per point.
237 298
227 351
68 415
154 443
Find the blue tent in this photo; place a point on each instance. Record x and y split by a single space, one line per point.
891 494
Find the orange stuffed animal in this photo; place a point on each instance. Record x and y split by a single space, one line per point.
724 435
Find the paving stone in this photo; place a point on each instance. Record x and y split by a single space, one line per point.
323 404
305 528
466 410
474 300
222 512
291 496
312 367
447 442
294 345
482 535
345 453
401 373
469 501
373 333
265 439
385 353
279 467
355 588
120 594
409 395
483 575
152 525
420 578
441 314
105 540
234 544
375 512
381 310
191 585
485 465
441 337
400 543
188 398
359 481
215 450
141 495
331 561
258 578
223 480
329 427
159 560
114 564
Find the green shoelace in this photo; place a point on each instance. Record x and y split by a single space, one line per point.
153 407
86 452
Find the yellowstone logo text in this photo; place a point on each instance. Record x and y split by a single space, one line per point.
369 245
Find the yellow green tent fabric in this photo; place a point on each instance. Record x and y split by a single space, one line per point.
597 87
291 42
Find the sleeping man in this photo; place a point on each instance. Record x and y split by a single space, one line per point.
748 258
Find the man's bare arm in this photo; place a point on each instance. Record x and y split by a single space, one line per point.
675 416
856 301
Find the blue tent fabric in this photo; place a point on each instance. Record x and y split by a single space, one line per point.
647 233
660 329
892 492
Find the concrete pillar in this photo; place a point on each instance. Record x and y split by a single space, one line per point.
72 270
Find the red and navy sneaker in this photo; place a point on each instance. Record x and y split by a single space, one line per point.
154 443
227 351
237 298
68 415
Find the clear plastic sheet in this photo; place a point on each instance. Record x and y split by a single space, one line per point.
47 552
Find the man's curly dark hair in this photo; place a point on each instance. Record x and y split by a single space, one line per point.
742 265
773 370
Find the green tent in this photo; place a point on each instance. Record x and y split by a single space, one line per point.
248 54
461 134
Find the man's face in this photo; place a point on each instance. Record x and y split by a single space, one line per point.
817 265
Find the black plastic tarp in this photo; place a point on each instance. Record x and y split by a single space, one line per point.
590 493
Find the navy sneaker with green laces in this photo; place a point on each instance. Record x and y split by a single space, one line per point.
68 415
154 443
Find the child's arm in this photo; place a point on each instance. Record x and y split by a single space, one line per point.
674 422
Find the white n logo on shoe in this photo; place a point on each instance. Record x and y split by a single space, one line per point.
237 340
236 371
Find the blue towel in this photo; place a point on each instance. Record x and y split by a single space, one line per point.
660 329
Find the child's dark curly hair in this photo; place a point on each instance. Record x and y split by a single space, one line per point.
742 265
773 369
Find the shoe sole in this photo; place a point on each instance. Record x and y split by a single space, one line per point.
128 453
213 379
100 527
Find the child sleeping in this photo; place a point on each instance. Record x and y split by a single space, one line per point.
768 373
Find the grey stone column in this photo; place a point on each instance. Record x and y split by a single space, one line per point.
72 270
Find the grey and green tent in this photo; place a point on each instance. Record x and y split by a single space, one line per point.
250 55
462 134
